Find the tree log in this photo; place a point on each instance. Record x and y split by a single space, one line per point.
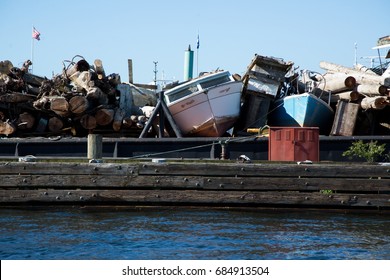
98 65
33 79
364 69
361 78
55 124
337 82
88 122
127 122
378 103
25 121
333 67
78 104
348 95
16 97
5 67
97 96
104 116
60 106
118 118
6 128
372 90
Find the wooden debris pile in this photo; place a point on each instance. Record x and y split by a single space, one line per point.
79 100
362 98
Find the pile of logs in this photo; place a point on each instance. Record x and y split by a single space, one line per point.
355 90
79 100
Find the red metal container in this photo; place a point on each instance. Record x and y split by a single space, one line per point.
293 144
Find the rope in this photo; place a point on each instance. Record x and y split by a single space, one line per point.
229 140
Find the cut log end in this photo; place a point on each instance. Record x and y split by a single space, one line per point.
25 121
104 116
55 124
6 128
88 122
78 104
377 103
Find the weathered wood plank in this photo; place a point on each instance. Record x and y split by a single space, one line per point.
132 181
345 118
299 184
194 197
201 169
68 169
264 170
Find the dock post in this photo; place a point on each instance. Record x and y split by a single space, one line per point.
224 151
95 146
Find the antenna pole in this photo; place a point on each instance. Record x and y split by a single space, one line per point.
155 72
32 52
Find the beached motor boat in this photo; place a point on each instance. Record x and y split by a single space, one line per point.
206 106
302 110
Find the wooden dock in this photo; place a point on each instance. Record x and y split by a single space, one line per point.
196 183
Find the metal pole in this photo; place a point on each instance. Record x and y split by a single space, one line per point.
155 72
32 51
380 60
197 62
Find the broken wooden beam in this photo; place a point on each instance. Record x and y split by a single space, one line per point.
345 118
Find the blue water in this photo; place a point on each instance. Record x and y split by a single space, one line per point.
191 234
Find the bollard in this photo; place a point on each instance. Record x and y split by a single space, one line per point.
224 151
95 146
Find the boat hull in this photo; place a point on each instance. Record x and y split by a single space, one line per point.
302 110
210 112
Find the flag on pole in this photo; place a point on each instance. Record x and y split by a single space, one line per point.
36 34
197 43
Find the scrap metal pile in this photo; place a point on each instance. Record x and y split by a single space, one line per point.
79 100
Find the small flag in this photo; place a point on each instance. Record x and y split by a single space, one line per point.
197 43
36 34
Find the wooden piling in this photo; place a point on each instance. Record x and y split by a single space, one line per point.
95 146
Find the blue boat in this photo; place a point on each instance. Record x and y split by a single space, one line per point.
302 110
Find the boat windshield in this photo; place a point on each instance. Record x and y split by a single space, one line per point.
182 93
204 83
216 81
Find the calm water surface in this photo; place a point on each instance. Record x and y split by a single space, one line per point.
191 234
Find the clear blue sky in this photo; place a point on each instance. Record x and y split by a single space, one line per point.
231 32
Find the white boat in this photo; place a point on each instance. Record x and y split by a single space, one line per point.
206 106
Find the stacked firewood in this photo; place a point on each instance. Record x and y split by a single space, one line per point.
79 100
